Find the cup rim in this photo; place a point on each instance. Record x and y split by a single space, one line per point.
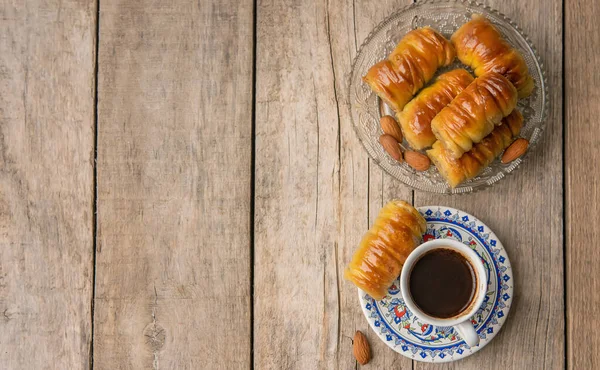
475 261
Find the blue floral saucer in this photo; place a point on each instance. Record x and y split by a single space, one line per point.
407 334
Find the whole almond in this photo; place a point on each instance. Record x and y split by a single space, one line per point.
515 150
391 146
390 127
416 160
361 348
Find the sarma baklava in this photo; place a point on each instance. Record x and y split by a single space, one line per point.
377 262
415 118
481 46
456 171
410 66
474 113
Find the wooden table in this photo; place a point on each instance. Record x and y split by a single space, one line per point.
181 188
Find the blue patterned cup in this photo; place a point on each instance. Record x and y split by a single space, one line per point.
461 321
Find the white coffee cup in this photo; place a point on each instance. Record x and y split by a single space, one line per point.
462 321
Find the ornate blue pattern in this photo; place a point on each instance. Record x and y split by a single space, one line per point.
407 334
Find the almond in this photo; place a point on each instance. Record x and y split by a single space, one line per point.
361 348
390 127
515 150
391 146
416 160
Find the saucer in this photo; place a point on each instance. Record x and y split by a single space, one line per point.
406 334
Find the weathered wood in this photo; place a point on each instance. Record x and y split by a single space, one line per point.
381 188
46 183
316 193
297 318
525 211
582 39
174 185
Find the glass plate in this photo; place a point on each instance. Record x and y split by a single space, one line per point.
445 16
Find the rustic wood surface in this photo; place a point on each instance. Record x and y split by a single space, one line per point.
296 291
314 186
231 189
174 191
46 183
539 300
582 93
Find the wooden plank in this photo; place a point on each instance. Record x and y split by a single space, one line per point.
297 186
525 211
46 183
316 193
381 189
174 185
582 38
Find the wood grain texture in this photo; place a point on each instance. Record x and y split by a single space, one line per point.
316 193
525 211
381 189
297 186
582 39
46 183
174 185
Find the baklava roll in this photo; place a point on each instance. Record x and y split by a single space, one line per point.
377 262
410 66
415 118
456 171
474 113
481 46
389 85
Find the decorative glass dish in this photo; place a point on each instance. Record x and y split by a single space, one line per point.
366 108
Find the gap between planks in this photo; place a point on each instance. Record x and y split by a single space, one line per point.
95 182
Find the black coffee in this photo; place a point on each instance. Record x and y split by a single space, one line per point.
442 283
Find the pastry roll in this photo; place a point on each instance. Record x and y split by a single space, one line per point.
481 46
410 66
389 85
456 171
415 118
474 113
396 232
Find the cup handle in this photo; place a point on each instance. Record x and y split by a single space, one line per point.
467 333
